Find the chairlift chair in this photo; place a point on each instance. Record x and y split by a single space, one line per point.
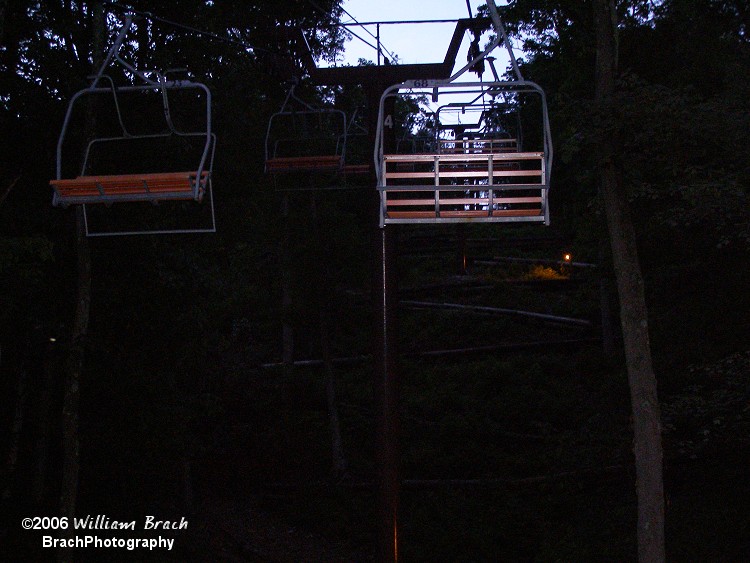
466 179
303 139
357 162
192 183
471 127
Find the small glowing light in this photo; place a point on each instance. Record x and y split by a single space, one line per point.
567 257
52 339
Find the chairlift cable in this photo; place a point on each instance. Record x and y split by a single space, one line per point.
365 41
244 44
337 24
153 17
390 54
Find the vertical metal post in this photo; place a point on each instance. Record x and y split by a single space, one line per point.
386 383
377 27
385 376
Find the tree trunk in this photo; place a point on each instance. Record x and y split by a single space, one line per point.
15 434
337 449
71 397
41 470
74 367
287 330
633 313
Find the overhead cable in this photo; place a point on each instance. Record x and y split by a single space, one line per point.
380 44
376 48
153 17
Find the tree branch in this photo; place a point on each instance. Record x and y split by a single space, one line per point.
8 189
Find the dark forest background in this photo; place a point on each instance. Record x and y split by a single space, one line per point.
508 454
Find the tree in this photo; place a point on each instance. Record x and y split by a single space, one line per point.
80 326
633 311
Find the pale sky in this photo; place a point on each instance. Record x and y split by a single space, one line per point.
418 43
413 43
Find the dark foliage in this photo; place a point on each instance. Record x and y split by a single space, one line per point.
178 414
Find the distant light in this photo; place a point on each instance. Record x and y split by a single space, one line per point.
52 339
567 257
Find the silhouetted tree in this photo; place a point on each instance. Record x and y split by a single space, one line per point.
633 311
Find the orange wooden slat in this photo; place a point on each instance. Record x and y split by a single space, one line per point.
499 199
462 174
425 201
534 212
464 201
101 187
462 213
411 214
467 201
303 163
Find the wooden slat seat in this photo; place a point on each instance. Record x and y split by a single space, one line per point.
466 186
324 163
129 187
527 168
524 168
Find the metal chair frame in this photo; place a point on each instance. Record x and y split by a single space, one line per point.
489 201
304 163
482 130
86 189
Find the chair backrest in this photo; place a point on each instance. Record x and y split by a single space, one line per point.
306 133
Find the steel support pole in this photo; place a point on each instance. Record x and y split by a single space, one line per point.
386 392
385 375
378 40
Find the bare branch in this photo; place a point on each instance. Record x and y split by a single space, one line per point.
8 189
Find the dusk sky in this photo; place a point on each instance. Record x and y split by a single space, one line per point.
413 43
